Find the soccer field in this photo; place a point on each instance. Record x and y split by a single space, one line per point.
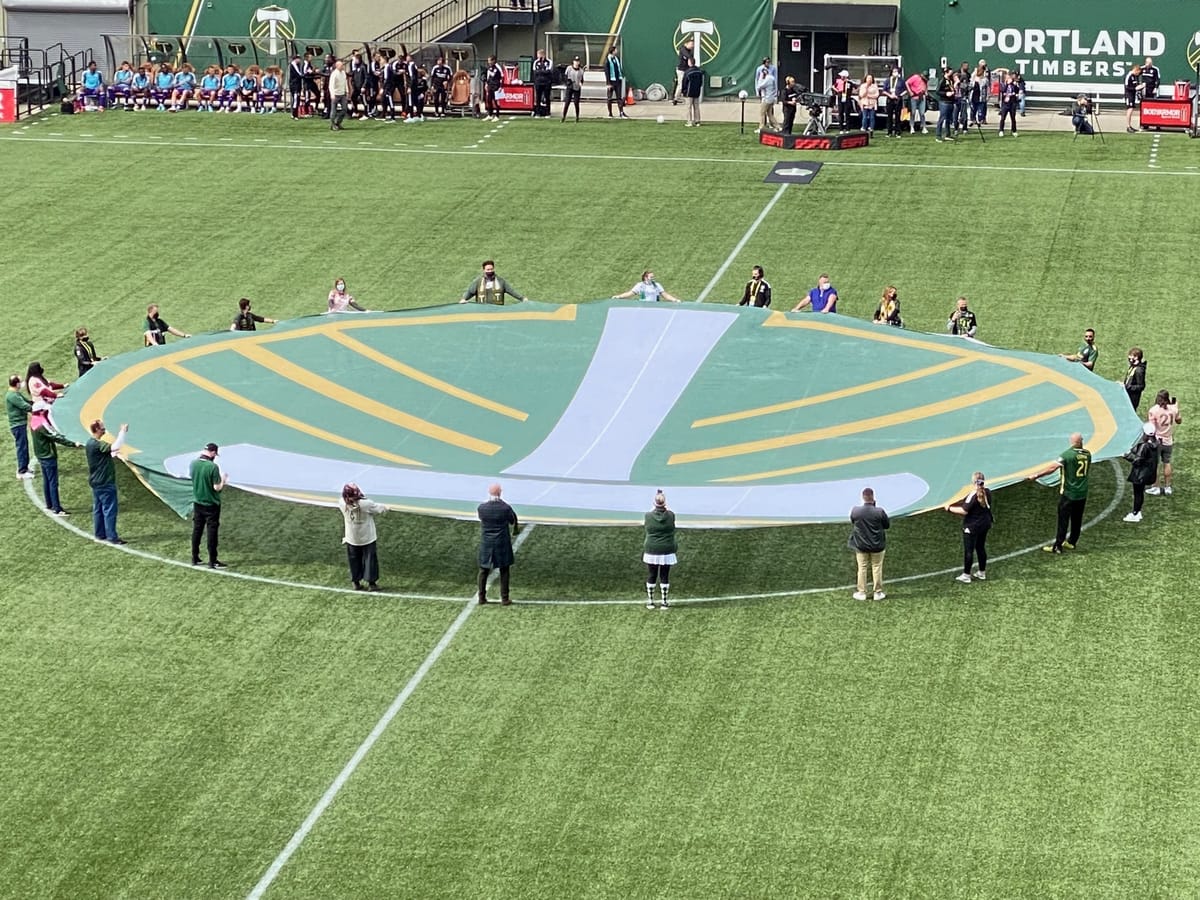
172 732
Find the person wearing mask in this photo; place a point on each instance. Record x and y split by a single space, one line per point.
868 540
85 351
43 391
359 536
1164 415
572 87
962 321
614 76
1088 352
962 105
868 102
156 328
647 290
1073 468
758 289
18 408
977 93
976 511
338 86
490 287
246 319
693 90
888 311
495 543
1135 376
102 479
893 93
766 88
340 301
659 549
1143 468
207 483
542 72
823 298
843 91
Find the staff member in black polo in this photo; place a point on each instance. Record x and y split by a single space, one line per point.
758 289
1150 78
790 95
493 78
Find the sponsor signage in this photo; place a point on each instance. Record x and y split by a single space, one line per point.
515 96
842 141
1161 113
793 172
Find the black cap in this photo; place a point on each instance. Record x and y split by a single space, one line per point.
211 447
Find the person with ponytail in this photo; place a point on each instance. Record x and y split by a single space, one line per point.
976 510
658 551
360 539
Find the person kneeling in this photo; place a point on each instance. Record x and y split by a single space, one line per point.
1080 114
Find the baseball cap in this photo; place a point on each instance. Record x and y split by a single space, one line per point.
211 447
1148 428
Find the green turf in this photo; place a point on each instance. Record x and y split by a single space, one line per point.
166 730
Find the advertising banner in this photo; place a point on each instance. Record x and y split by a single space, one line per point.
8 101
1071 44
652 33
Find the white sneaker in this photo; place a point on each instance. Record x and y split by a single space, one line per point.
964 578
1154 491
649 604
665 605
1133 517
1167 490
24 475
981 575
999 134
860 595
880 595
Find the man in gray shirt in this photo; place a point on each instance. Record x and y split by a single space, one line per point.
869 540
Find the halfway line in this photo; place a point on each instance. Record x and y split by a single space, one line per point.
741 244
365 747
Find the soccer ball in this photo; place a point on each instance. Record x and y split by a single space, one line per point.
660 120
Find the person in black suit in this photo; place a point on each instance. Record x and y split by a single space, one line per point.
495 543
296 83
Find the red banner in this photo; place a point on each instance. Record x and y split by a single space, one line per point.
1160 113
8 101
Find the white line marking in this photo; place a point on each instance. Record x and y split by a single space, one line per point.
741 244
365 747
761 163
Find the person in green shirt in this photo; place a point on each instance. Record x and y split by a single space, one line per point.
490 287
18 407
1073 467
658 550
45 439
102 479
1088 352
207 483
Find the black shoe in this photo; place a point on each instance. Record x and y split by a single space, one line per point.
506 602
217 564
195 562
119 542
483 601
372 586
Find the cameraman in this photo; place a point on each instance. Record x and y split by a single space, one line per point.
1080 113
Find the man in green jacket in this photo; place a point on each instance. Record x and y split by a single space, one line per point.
207 483
490 287
44 440
18 407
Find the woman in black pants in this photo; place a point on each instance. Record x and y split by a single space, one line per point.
976 510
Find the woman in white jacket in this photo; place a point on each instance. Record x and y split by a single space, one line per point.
359 514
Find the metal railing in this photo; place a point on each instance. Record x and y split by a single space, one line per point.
466 17
44 75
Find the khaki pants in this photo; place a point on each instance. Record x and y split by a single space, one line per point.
693 109
875 562
766 117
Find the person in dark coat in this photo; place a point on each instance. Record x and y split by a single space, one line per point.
1143 458
1135 378
868 540
976 510
495 543
659 549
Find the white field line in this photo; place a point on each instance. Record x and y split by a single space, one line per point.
741 244
365 747
332 147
